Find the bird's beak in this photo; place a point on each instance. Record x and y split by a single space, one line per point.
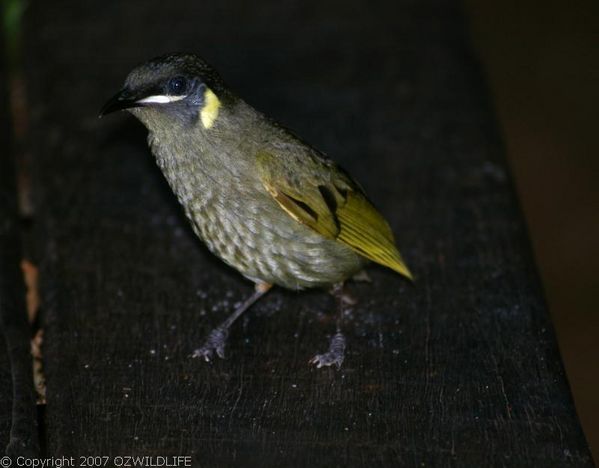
120 101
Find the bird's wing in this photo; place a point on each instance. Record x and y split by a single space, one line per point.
317 193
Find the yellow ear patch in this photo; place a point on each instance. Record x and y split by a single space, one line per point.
210 110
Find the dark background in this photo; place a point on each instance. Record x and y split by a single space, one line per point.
542 64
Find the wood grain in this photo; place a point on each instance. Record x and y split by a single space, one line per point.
18 415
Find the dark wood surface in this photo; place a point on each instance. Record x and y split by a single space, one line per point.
459 369
7 239
18 415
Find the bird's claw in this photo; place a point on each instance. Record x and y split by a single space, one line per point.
207 352
215 343
335 354
327 359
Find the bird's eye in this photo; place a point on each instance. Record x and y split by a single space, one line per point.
177 85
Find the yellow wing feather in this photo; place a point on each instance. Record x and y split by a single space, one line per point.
368 233
315 192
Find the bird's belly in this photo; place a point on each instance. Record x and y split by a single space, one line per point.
266 245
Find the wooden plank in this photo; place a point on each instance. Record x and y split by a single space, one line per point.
6 194
18 416
460 368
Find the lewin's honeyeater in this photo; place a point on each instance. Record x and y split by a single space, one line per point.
262 200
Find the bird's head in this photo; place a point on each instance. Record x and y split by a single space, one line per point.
178 87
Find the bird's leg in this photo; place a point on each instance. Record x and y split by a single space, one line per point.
217 339
336 352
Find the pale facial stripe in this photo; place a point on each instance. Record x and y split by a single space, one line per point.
160 99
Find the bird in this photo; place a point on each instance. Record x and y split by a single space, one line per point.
262 200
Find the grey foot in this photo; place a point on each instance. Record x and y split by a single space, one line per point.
215 343
334 355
